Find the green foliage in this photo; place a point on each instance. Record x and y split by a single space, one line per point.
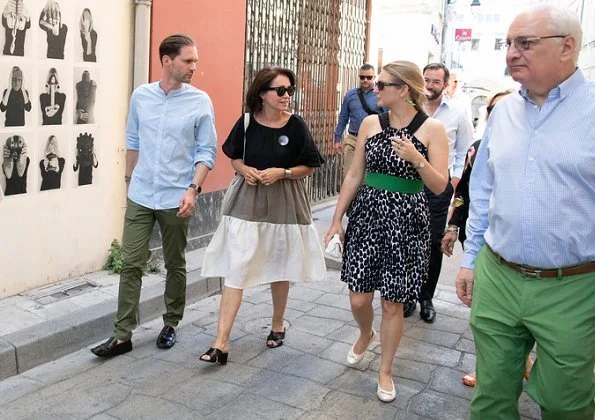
114 261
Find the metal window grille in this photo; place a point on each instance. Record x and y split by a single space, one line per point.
323 41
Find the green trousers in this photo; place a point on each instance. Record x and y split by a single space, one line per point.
138 227
512 312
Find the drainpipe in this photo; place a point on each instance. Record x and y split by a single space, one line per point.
368 30
142 41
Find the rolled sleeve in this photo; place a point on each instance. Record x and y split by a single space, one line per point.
132 138
464 140
343 119
206 139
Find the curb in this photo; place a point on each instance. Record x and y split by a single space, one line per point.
50 340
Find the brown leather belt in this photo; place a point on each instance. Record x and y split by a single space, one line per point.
585 268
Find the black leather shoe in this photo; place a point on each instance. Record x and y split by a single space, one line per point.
427 311
167 338
408 309
111 348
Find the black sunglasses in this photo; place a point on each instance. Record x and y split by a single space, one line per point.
489 109
381 85
281 90
362 77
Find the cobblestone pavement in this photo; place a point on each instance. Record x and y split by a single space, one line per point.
307 378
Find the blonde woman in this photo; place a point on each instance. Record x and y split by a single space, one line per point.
387 242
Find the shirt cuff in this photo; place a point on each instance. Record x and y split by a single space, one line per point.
468 260
338 139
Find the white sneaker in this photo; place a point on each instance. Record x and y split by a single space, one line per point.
353 357
387 396
334 249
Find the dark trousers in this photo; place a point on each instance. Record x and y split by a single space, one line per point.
439 205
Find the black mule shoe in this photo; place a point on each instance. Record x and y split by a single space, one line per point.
277 338
215 356
111 348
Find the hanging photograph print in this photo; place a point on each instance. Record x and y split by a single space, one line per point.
88 36
16 21
16 98
50 21
85 158
52 100
15 165
51 165
85 88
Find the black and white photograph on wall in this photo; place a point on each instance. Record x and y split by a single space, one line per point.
16 21
15 164
52 100
88 36
52 163
85 88
52 23
15 104
85 158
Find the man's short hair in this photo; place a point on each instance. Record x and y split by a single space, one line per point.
438 66
367 67
172 45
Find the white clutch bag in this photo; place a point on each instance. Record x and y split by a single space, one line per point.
334 249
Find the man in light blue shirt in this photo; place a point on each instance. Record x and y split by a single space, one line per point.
528 268
171 146
357 105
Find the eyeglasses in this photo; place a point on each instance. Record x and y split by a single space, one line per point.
281 90
524 43
380 85
362 77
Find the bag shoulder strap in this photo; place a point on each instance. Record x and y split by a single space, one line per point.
365 106
246 124
384 121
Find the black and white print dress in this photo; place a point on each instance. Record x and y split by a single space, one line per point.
387 242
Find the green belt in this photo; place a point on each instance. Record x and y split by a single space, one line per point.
394 183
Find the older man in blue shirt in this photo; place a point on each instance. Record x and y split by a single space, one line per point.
357 105
528 269
171 145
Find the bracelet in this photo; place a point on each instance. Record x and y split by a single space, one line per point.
451 229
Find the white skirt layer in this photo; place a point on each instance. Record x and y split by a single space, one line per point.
251 253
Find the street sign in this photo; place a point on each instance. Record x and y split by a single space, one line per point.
463 35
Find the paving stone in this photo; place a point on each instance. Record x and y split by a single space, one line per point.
300 305
8 361
346 334
275 359
468 363
339 405
440 338
451 309
144 376
448 296
139 406
448 381
328 312
89 401
203 395
15 387
304 293
465 345
25 319
331 285
315 369
408 369
356 382
291 390
70 365
246 348
468 334
250 406
337 352
261 297
245 376
445 323
317 326
334 300
440 406
103 416
308 343
420 351
238 331
528 407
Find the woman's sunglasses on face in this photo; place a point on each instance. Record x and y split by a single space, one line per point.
380 85
362 77
281 90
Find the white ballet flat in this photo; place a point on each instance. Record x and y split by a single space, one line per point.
386 396
353 357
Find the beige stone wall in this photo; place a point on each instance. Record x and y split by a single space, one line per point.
47 236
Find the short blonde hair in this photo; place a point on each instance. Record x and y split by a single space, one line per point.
410 74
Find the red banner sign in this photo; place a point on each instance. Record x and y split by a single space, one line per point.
463 35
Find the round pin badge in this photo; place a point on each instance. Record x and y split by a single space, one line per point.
283 140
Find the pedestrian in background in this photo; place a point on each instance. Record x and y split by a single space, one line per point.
266 234
528 270
357 104
171 146
387 243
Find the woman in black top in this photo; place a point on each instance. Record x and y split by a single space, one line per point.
15 165
266 234
51 166
50 21
88 36
52 102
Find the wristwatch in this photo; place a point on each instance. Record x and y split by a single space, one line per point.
420 165
196 188
287 173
